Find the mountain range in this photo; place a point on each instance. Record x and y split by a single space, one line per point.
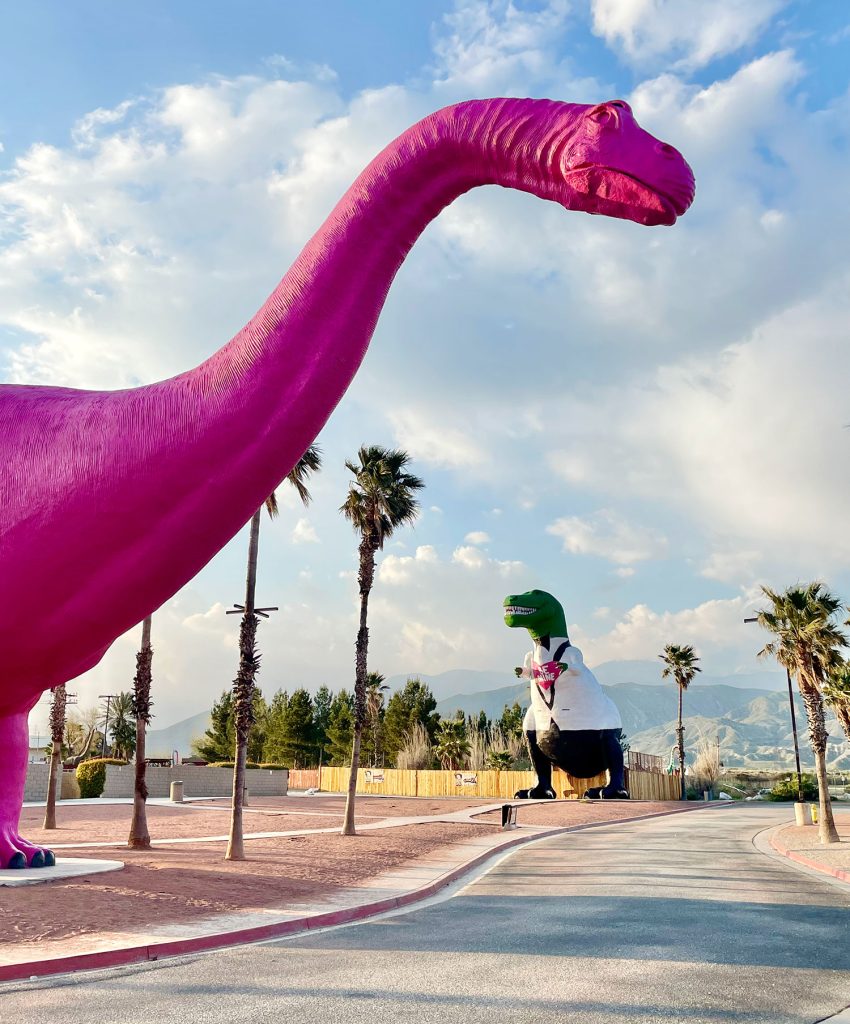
749 714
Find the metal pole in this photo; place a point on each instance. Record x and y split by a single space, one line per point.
796 744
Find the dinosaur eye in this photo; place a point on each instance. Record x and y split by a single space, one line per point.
601 114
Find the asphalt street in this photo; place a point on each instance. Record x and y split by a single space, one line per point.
675 919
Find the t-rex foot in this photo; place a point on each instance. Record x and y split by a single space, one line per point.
606 793
16 852
537 793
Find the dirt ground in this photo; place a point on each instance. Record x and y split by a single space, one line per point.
180 882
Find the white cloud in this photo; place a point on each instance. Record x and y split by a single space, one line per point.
715 628
304 532
690 32
609 536
477 537
433 441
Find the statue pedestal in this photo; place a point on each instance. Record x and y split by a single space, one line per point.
68 867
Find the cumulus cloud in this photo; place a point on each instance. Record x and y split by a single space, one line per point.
304 532
688 32
609 536
477 537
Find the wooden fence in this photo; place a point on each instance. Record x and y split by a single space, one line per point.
643 785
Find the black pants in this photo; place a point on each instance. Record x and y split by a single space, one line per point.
582 753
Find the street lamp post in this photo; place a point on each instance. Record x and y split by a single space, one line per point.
793 726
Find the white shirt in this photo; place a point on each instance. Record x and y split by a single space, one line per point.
578 701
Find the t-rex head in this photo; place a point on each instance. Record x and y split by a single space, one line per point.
591 158
538 612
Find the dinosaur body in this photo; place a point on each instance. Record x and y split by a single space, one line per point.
111 501
570 722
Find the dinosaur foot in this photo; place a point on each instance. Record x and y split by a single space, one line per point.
16 852
537 793
606 793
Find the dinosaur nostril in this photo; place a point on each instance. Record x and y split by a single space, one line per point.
666 150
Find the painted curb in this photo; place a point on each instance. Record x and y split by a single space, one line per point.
807 862
149 952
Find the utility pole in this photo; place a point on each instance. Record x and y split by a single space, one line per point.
108 697
793 726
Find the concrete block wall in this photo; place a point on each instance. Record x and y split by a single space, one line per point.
197 781
35 787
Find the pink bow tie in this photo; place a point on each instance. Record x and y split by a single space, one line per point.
546 674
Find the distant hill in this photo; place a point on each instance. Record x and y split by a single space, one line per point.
753 724
162 742
748 712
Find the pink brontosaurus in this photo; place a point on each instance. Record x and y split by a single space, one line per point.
111 501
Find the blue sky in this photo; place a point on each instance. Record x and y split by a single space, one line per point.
647 422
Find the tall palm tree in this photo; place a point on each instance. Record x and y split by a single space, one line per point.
680 663
375 690
808 643
249 658
139 838
836 693
452 747
57 735
380 499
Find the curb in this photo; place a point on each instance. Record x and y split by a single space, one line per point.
149 952
840 873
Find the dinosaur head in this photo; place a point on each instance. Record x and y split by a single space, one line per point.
591 158
538 612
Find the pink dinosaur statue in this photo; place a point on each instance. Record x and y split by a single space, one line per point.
112 501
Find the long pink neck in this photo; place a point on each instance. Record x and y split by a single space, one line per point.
138 489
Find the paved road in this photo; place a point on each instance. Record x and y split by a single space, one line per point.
676 919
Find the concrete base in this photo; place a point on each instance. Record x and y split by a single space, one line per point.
71 867
801 814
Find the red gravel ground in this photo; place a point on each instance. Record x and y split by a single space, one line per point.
109 823
176 883
803 839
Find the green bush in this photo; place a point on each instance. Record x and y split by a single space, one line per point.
229 764
91 775
272 767
787 789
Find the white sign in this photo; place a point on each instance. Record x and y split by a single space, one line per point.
374 775
466 779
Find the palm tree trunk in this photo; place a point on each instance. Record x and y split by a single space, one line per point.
57 732
367 575
139 838
813 701
680 740
243 688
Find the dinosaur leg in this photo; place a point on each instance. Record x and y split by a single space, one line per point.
613 755
542 790
16 852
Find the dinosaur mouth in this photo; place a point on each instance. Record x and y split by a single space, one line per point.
516 609
609 190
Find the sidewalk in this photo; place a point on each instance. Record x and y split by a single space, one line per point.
800 843
185 898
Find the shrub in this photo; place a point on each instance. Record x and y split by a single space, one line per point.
229 764
91 775
272 767
415 752
787 788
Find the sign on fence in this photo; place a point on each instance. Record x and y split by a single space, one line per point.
466 779
374 775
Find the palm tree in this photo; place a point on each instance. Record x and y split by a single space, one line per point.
122 727
249 658
380 498
807 643
375 690
57 734
452 747
836 693
681 664
139 838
